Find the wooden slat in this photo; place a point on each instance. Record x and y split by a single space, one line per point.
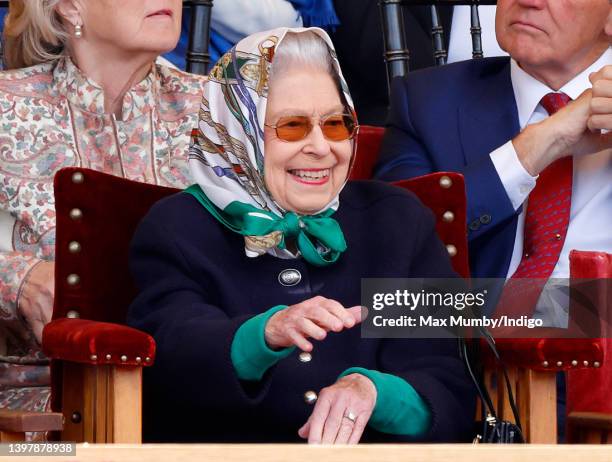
20 421
73 401
9 437
538 406
589 427
125 396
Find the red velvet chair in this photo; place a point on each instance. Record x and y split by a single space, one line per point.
97 362
531 363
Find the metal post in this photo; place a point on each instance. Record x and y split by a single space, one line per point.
437 34
397 56
198 57
475 30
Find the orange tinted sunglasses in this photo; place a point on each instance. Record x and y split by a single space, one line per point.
335 127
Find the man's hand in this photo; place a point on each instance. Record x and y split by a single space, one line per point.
574 130
600 117
36 299
353 395
312 318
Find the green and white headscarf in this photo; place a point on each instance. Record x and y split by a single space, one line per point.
227 152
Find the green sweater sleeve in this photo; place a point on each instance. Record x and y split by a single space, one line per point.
250 354
399 409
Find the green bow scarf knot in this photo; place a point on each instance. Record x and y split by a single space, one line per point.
318 237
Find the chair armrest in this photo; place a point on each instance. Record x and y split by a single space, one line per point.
596 420
22 421
547 354
97 343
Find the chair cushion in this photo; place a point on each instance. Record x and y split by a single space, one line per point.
94 342
547 354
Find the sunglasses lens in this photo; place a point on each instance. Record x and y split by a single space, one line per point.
292 128
338 127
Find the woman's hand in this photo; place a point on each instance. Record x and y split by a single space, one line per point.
312 318
36 299
342 412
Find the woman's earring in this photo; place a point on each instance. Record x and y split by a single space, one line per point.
78 31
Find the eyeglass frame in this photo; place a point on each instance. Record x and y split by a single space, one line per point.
321 119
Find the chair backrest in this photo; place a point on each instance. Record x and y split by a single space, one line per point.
96 217
397 54
443 192
198 58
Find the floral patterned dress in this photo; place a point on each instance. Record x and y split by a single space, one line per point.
52 116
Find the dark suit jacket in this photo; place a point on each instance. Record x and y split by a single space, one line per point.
450 119
197 288
359 45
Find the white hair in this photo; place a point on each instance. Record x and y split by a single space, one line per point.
304 49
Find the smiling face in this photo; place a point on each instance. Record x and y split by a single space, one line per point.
131 26
553 40
304 176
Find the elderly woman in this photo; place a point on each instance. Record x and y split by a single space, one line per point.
250 279
90 97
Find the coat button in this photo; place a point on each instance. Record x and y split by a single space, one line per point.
474 225
289 277
485 219
305 357
310 397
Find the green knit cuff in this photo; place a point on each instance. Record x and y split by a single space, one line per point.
250 354
399 409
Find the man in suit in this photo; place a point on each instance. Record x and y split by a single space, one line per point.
487 119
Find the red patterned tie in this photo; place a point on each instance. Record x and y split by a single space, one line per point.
548 210
546 221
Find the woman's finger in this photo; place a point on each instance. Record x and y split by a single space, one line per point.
317 420
299 341
304 430
359 427
346 429
357 313
328 321
309 329
334 420
335 308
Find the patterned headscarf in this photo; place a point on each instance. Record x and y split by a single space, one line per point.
227 157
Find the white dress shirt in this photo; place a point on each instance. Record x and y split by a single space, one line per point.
460 44
590 226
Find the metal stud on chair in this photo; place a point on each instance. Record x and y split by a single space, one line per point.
76 214
446 182
73 279
74 247
448 216
78 177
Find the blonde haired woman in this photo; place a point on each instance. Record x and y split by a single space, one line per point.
83 90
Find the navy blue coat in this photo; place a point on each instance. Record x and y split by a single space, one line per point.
197 288
450 119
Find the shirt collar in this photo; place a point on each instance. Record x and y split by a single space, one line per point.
528 91
86 94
